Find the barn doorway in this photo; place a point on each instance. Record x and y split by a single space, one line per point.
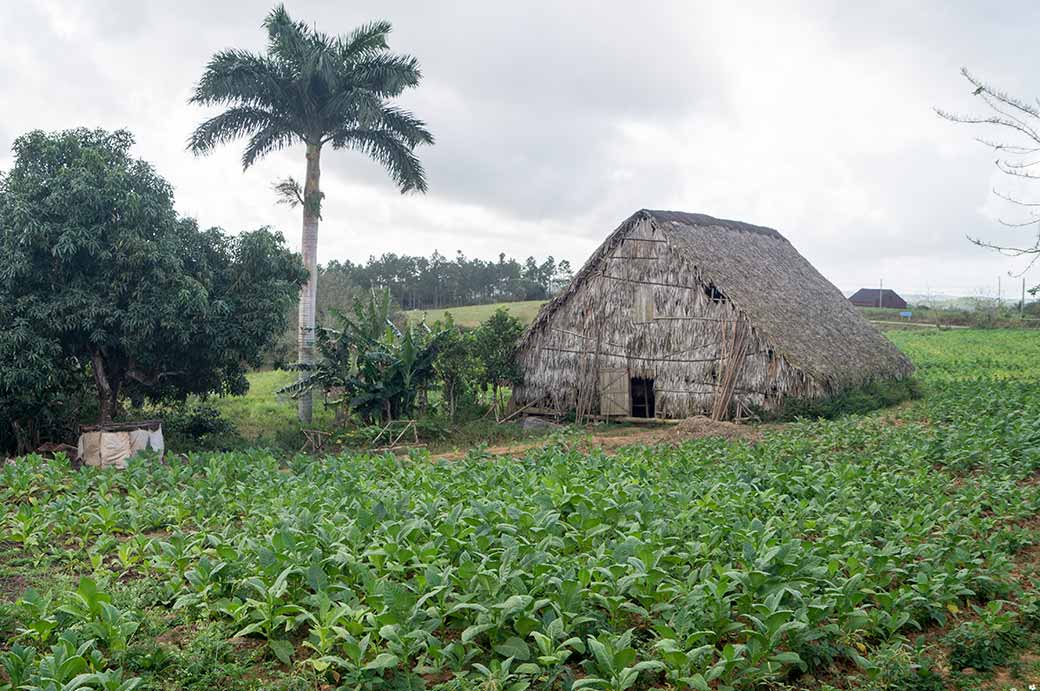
642 397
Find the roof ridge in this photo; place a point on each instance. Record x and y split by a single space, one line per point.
697 219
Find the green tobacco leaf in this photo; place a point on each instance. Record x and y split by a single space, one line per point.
382 661
697 681
472 632
514 647
283 650
787 658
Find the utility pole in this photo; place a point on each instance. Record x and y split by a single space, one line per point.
998 293
881 291
1022 305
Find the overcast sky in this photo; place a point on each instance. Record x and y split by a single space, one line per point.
556 120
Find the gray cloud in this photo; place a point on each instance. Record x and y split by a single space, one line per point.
556 120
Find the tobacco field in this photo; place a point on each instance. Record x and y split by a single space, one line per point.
890 550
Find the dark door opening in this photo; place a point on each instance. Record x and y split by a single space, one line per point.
642 397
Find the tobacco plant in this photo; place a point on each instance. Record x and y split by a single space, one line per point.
707 564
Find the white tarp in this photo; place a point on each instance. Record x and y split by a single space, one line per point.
114 449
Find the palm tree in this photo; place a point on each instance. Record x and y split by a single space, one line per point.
314 89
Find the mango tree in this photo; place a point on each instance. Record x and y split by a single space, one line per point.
100 274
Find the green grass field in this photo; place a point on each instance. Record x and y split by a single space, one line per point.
472 315
895 550
262 411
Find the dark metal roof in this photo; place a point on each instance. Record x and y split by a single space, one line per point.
870 297
875 292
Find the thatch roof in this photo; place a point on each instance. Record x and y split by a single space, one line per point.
799 312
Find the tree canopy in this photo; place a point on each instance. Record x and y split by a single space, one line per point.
314 88
495 341
101 275
435 282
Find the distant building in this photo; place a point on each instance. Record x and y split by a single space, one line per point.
876 297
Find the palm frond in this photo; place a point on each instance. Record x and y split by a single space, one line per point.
405 125
389 151
364 41
271 138
287 39
238 76
289 192
239 121
352 106
386 74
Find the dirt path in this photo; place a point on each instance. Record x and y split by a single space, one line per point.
610 439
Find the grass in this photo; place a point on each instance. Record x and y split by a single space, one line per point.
262 417
887 318
262 410
876 551
473 315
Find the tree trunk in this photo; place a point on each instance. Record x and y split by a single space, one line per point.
308 296
107 391
27 437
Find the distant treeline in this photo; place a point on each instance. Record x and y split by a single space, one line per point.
426 283
437 282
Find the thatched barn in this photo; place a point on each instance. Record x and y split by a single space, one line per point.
678 314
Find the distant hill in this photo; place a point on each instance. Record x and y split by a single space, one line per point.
472 315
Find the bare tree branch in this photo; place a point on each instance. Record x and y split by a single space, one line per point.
1009 198
1019 120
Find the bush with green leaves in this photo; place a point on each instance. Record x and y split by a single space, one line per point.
197 425
458 368
495 342
988 641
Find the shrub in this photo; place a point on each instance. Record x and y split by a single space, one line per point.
986 643
871 396
198 425
898 668
917 678
1029 611
458 369
495 342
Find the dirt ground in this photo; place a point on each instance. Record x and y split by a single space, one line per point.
609 437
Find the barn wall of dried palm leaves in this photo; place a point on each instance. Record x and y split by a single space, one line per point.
654 303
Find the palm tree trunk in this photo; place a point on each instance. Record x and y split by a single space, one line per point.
309 246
